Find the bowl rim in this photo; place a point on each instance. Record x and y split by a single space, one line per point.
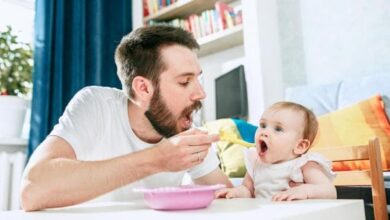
178 189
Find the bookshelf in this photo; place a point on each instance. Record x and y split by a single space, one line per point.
221 41
183 8
209 44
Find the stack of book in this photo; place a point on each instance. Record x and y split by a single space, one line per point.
222 17
151 7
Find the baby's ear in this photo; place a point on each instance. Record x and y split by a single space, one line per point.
302 146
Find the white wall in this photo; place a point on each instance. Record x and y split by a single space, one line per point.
311 42
19 15
325 41
137 13
263 59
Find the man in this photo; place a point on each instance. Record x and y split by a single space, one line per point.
109 141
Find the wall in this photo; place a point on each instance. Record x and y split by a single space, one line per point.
311 42
19 15
330 40
137 13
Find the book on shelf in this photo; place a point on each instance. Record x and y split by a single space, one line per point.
224 12
222 17
151 7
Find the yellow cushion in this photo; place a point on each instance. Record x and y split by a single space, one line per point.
230 155
355 125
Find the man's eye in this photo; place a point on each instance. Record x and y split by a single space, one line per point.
278 129
184 83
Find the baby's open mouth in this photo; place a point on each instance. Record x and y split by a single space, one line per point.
263 147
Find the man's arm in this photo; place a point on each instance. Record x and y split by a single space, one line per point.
54 177
55 170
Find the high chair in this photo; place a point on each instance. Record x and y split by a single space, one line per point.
372 177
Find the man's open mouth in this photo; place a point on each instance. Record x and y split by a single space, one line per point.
188 112
188 116
187 120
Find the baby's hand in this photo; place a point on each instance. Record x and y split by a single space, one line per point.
227 193
295 193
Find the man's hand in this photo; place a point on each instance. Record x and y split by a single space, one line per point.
184 150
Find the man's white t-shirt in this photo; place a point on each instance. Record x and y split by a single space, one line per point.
95 123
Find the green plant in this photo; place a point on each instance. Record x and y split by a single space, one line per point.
16 65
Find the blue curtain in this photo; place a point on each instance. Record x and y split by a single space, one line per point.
74 47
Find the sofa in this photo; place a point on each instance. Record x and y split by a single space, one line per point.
322 99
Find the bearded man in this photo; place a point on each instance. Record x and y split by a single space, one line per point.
109 141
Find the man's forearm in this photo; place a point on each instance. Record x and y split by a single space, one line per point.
61 181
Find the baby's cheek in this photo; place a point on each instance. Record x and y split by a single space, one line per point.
257 135
258 148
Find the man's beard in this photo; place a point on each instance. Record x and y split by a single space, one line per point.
162 119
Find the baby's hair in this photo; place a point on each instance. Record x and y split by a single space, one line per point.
310 120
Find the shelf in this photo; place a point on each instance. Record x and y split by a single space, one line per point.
183 8
220 41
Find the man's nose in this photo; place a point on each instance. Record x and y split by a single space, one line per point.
199 93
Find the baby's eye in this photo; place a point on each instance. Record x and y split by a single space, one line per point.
263 125
278 129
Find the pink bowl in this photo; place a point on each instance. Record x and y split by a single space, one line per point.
180 197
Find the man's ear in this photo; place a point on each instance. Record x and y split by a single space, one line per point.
302 146
143 88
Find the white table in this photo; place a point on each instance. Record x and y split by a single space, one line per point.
221 209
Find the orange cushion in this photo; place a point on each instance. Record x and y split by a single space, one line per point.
355 125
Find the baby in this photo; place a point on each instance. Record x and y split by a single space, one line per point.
286 131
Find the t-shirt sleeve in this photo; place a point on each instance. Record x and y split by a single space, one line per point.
79 122
209 164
